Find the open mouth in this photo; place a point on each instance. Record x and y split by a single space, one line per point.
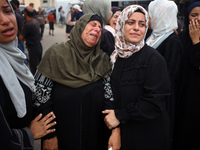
93 35
8 31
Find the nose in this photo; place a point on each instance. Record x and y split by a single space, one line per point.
98 29
4 19
136 27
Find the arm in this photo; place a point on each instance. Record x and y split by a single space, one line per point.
23 138
43 104
115 139
171 50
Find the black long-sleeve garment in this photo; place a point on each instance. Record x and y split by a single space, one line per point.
14 132
187 123
141 88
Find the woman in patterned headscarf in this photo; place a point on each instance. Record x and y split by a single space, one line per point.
140 85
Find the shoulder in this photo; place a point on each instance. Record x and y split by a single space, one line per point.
56 50
173 38
151 53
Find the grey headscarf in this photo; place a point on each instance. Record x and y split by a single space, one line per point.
100 7
12 70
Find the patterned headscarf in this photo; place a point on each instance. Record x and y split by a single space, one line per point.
123 48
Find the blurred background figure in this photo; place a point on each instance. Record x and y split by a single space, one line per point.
31 34
41 18
113 20
51 19
71 19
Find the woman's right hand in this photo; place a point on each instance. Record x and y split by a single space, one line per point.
194 31
40 128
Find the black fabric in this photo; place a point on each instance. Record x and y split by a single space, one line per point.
10 124
107 42
171 49
78 111
141 88
96 17
31 32
188 113
51 25
35 56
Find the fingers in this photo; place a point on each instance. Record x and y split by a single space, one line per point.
106 111
51 125
49 117
50 131
38 117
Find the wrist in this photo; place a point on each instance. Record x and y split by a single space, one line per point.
195 42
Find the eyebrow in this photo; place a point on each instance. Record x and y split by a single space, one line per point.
135 20
8 6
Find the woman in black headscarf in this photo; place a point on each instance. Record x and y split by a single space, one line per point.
187 127
16 88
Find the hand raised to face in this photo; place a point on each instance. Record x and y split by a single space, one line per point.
194 31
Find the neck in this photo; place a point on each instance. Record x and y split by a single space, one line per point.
28 18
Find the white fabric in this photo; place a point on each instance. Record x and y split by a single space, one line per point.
77 7
163 14
111 29
13 68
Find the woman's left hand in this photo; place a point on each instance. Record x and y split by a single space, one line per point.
194 31
110 119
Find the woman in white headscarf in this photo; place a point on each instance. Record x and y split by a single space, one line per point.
163 14
140 86
16 87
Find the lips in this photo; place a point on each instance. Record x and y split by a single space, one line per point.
135 34
94 35
8 31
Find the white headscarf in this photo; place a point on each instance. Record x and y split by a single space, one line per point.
163 14
123 48
13 68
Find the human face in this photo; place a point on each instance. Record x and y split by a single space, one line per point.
8 24
134 29
92 33
195 15
113 20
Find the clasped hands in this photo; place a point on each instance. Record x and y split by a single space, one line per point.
110 119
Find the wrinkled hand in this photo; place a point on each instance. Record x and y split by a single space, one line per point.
194 31
110 119
115 139
50 144
40 128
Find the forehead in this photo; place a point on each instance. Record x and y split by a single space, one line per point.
96 22
117 12
137 16
3 3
